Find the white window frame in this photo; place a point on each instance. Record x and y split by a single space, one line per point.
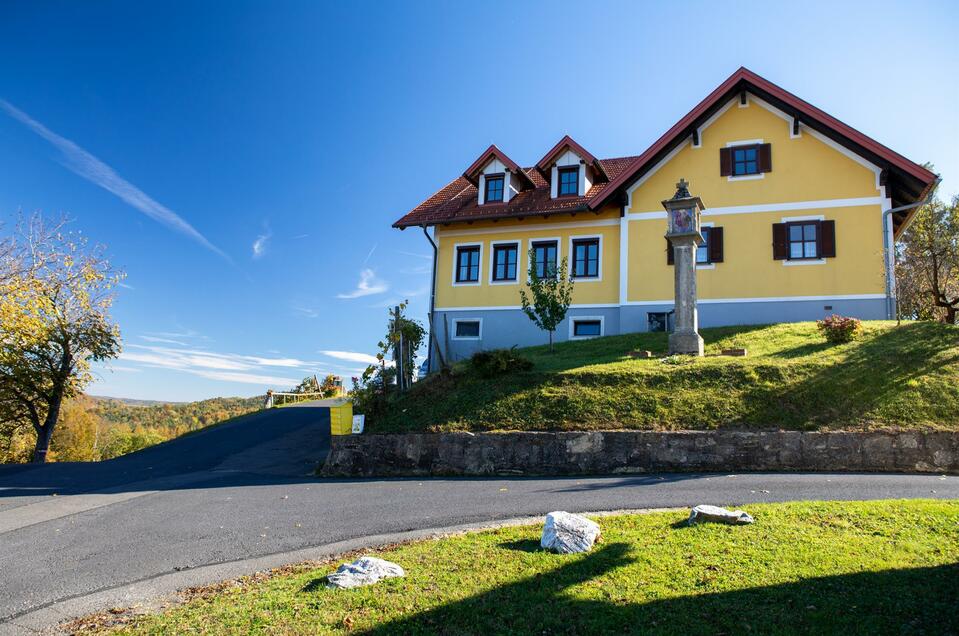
546 239
572 326
456 321
569 261
787 262
492 261
456 261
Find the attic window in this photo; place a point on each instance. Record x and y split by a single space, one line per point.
568 182
745 160
494 189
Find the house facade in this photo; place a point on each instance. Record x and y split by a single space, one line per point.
801 216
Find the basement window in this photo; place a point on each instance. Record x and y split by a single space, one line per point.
467 329
587 327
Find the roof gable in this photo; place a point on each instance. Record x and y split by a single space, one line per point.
568 143
472 173
914 179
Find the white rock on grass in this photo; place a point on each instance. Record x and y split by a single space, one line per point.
567 533
363 571
721 515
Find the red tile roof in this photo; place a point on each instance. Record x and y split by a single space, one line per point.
906 181
458 201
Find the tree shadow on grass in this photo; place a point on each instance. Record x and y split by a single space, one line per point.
522 545
911 601
876 373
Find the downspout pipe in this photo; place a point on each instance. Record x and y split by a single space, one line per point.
431 340
889 246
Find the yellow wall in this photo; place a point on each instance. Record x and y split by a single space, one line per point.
803 169
748 269
487 295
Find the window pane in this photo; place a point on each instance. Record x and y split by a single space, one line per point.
740 155
702 254
586 258
795 250
545 258
586 328
810 249
504 258
795 232
494 189
467 329
750 154
809 232
568 181
467 265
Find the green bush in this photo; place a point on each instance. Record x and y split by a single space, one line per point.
839 329
497 362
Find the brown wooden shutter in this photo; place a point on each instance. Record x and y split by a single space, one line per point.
780 245
725 162
765 158
669 252
715 245
827 239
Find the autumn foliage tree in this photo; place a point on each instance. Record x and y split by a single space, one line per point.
927 269
55 297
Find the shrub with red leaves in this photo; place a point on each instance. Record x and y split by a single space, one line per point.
839 329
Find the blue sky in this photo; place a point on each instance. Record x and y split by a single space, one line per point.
243 162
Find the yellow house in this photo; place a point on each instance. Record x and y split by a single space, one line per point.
802 212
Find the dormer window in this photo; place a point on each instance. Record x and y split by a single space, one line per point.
494 188
568 181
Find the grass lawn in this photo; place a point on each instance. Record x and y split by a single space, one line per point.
885 567
905 376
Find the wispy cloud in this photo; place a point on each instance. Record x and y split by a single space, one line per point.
227 367
415 254
183 334
305 312
259 245
95 171
352 356
163 340
370 253
369 284
126 286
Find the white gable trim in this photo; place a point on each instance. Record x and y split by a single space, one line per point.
654 170
820 137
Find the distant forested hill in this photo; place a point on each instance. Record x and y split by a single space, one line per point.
94 428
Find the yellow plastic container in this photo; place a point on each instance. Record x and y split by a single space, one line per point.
341 419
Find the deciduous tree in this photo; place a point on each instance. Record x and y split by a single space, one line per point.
55 297
927 269
550 296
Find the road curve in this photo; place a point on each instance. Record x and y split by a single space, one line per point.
238 497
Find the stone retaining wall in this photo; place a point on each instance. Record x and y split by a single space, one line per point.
611 452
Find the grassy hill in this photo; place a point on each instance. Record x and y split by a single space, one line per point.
893 376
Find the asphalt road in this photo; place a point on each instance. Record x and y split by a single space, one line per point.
240 497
